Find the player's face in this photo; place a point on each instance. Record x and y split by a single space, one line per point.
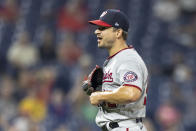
105 37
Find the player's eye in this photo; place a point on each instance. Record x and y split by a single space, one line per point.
101 28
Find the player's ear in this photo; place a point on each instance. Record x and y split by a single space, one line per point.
119 33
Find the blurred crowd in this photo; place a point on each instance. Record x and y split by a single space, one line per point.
47 47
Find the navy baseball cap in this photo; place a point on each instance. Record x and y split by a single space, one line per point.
112 18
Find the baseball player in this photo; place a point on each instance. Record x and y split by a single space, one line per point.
122 98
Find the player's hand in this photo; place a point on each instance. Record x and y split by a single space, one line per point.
95 98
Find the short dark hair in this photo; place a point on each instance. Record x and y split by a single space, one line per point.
124 33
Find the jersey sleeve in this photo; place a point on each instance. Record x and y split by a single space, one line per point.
130 74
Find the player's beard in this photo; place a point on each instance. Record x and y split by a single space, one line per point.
106 44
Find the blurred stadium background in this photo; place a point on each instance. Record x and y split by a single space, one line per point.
47 46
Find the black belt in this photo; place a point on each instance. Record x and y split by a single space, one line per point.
115 124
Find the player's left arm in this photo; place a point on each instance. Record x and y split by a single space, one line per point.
131 78
122 95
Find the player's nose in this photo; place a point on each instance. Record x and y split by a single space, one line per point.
97 31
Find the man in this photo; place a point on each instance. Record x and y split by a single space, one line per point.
122 100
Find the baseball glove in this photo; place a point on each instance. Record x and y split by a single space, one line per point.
94 81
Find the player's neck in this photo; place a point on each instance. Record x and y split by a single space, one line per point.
119 45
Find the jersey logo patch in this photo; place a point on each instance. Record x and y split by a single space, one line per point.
130 76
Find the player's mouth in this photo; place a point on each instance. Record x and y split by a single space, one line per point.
99 39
